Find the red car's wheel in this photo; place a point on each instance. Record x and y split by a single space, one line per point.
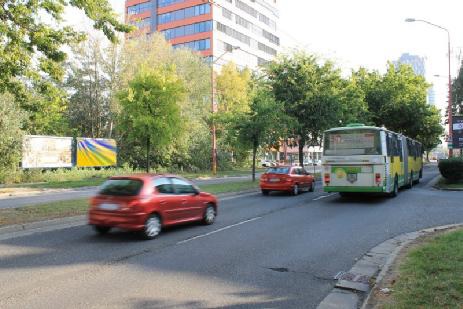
295 190
209 215
152 227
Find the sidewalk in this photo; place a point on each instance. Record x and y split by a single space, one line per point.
354 287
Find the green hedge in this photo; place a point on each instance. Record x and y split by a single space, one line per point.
451 169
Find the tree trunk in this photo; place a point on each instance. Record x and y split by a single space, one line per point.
301 151
148 154
254 152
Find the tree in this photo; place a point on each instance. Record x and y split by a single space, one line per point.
11 133
189 149
32 40
263 124
150 109
431 130
92 82
232 89
457 92
396 100
310 94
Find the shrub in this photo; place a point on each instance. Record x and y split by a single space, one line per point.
451 169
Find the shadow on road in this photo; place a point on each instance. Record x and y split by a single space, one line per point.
359 199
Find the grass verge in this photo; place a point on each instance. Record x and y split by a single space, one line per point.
42 212
444 184
77 207
431 275
230 187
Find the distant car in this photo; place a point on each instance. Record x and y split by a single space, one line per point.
308 162
147 203
267 163
292 179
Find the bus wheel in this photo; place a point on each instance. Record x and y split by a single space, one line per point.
410 181
395 191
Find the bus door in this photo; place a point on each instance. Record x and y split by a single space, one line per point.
405 154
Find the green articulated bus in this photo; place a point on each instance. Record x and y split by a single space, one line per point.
359 158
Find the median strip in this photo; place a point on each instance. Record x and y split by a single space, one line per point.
76 207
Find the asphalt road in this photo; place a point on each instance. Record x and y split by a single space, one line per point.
278 251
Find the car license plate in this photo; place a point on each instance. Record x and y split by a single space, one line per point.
274 179
109 206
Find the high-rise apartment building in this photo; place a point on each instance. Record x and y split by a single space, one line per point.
416 62
418 65
244 31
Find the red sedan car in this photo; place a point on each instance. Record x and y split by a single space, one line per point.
293 179
147 203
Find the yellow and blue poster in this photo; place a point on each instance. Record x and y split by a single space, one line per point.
93 152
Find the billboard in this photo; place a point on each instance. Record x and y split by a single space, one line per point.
457 131
93 152
46 152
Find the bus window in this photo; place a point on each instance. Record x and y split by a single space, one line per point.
389 143
399 148
352 142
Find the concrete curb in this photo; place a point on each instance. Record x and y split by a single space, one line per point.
434 181
353 288
15 230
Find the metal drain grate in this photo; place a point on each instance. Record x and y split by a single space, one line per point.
352 277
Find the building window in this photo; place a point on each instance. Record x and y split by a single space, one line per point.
163 3
267 49
233 33
195 45
272 38
173 33
141 23
243 22
139 8
226 13
264 19
185 13
248 9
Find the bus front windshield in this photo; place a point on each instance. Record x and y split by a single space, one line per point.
352 142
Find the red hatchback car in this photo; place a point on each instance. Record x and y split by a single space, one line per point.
293 179
147 203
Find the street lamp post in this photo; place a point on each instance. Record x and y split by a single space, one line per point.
214 109
409 20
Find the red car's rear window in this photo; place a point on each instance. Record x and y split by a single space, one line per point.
278 170
121 187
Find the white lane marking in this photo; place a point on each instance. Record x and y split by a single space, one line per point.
219 230
323 196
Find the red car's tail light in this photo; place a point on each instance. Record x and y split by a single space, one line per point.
327 178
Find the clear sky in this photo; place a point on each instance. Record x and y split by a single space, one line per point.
368 33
